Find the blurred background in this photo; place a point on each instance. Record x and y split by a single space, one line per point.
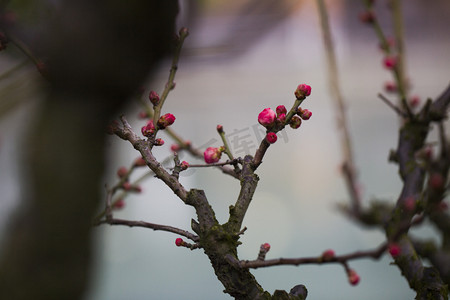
241 57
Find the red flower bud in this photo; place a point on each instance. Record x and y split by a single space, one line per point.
394 250
271 137
328 255
184 165
179 242
122 172
414 101
140 162
267 117
281 118
390 62
175 147
153 97
266 247
118 204
165 120
367 17
304 113
148 129
127 186
302 91
295 122
353 277
143 115
212 155
219 128
390 87
159 142
281 109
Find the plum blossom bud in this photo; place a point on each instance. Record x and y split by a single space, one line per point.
353 277
219 129
271 137
184 165
212 155
302 91
394 250
122 172
390 62
266 247
367 17
153 97
148 129
179 242
328 255
127 186
281 109
305 114
436 181
165 120
118 204
140 162
414 101
267 117
390 87
159 142
295 122
409 204
281 118
143 115
263 251
175 147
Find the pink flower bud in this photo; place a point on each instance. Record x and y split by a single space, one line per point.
165 120
122 172
414 101
140 162
390 62
436 181
175 147
281 118
394 250
212 155
295 122
409 204
328 255
153 97
219 129
159 142
143 115
390 87
302 91
184 165
367 17
353 277
148 129
127 186
267 117
179 242
271 137
281 109
266 247
305 114
118 204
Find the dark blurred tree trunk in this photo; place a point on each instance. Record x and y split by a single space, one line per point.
97 54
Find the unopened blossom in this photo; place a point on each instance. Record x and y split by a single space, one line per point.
271 137
390 62
353 277
175 147
179 242
165 120
159 142
281 118
140 162
212 155
266 247
184 165
153 97
328 255
305 114
394 250
122 172
281 109
148 129
295 122
302 91
118 204
390 87
267 117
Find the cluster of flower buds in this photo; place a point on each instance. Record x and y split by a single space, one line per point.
213 155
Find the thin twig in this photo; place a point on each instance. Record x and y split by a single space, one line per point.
392 105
